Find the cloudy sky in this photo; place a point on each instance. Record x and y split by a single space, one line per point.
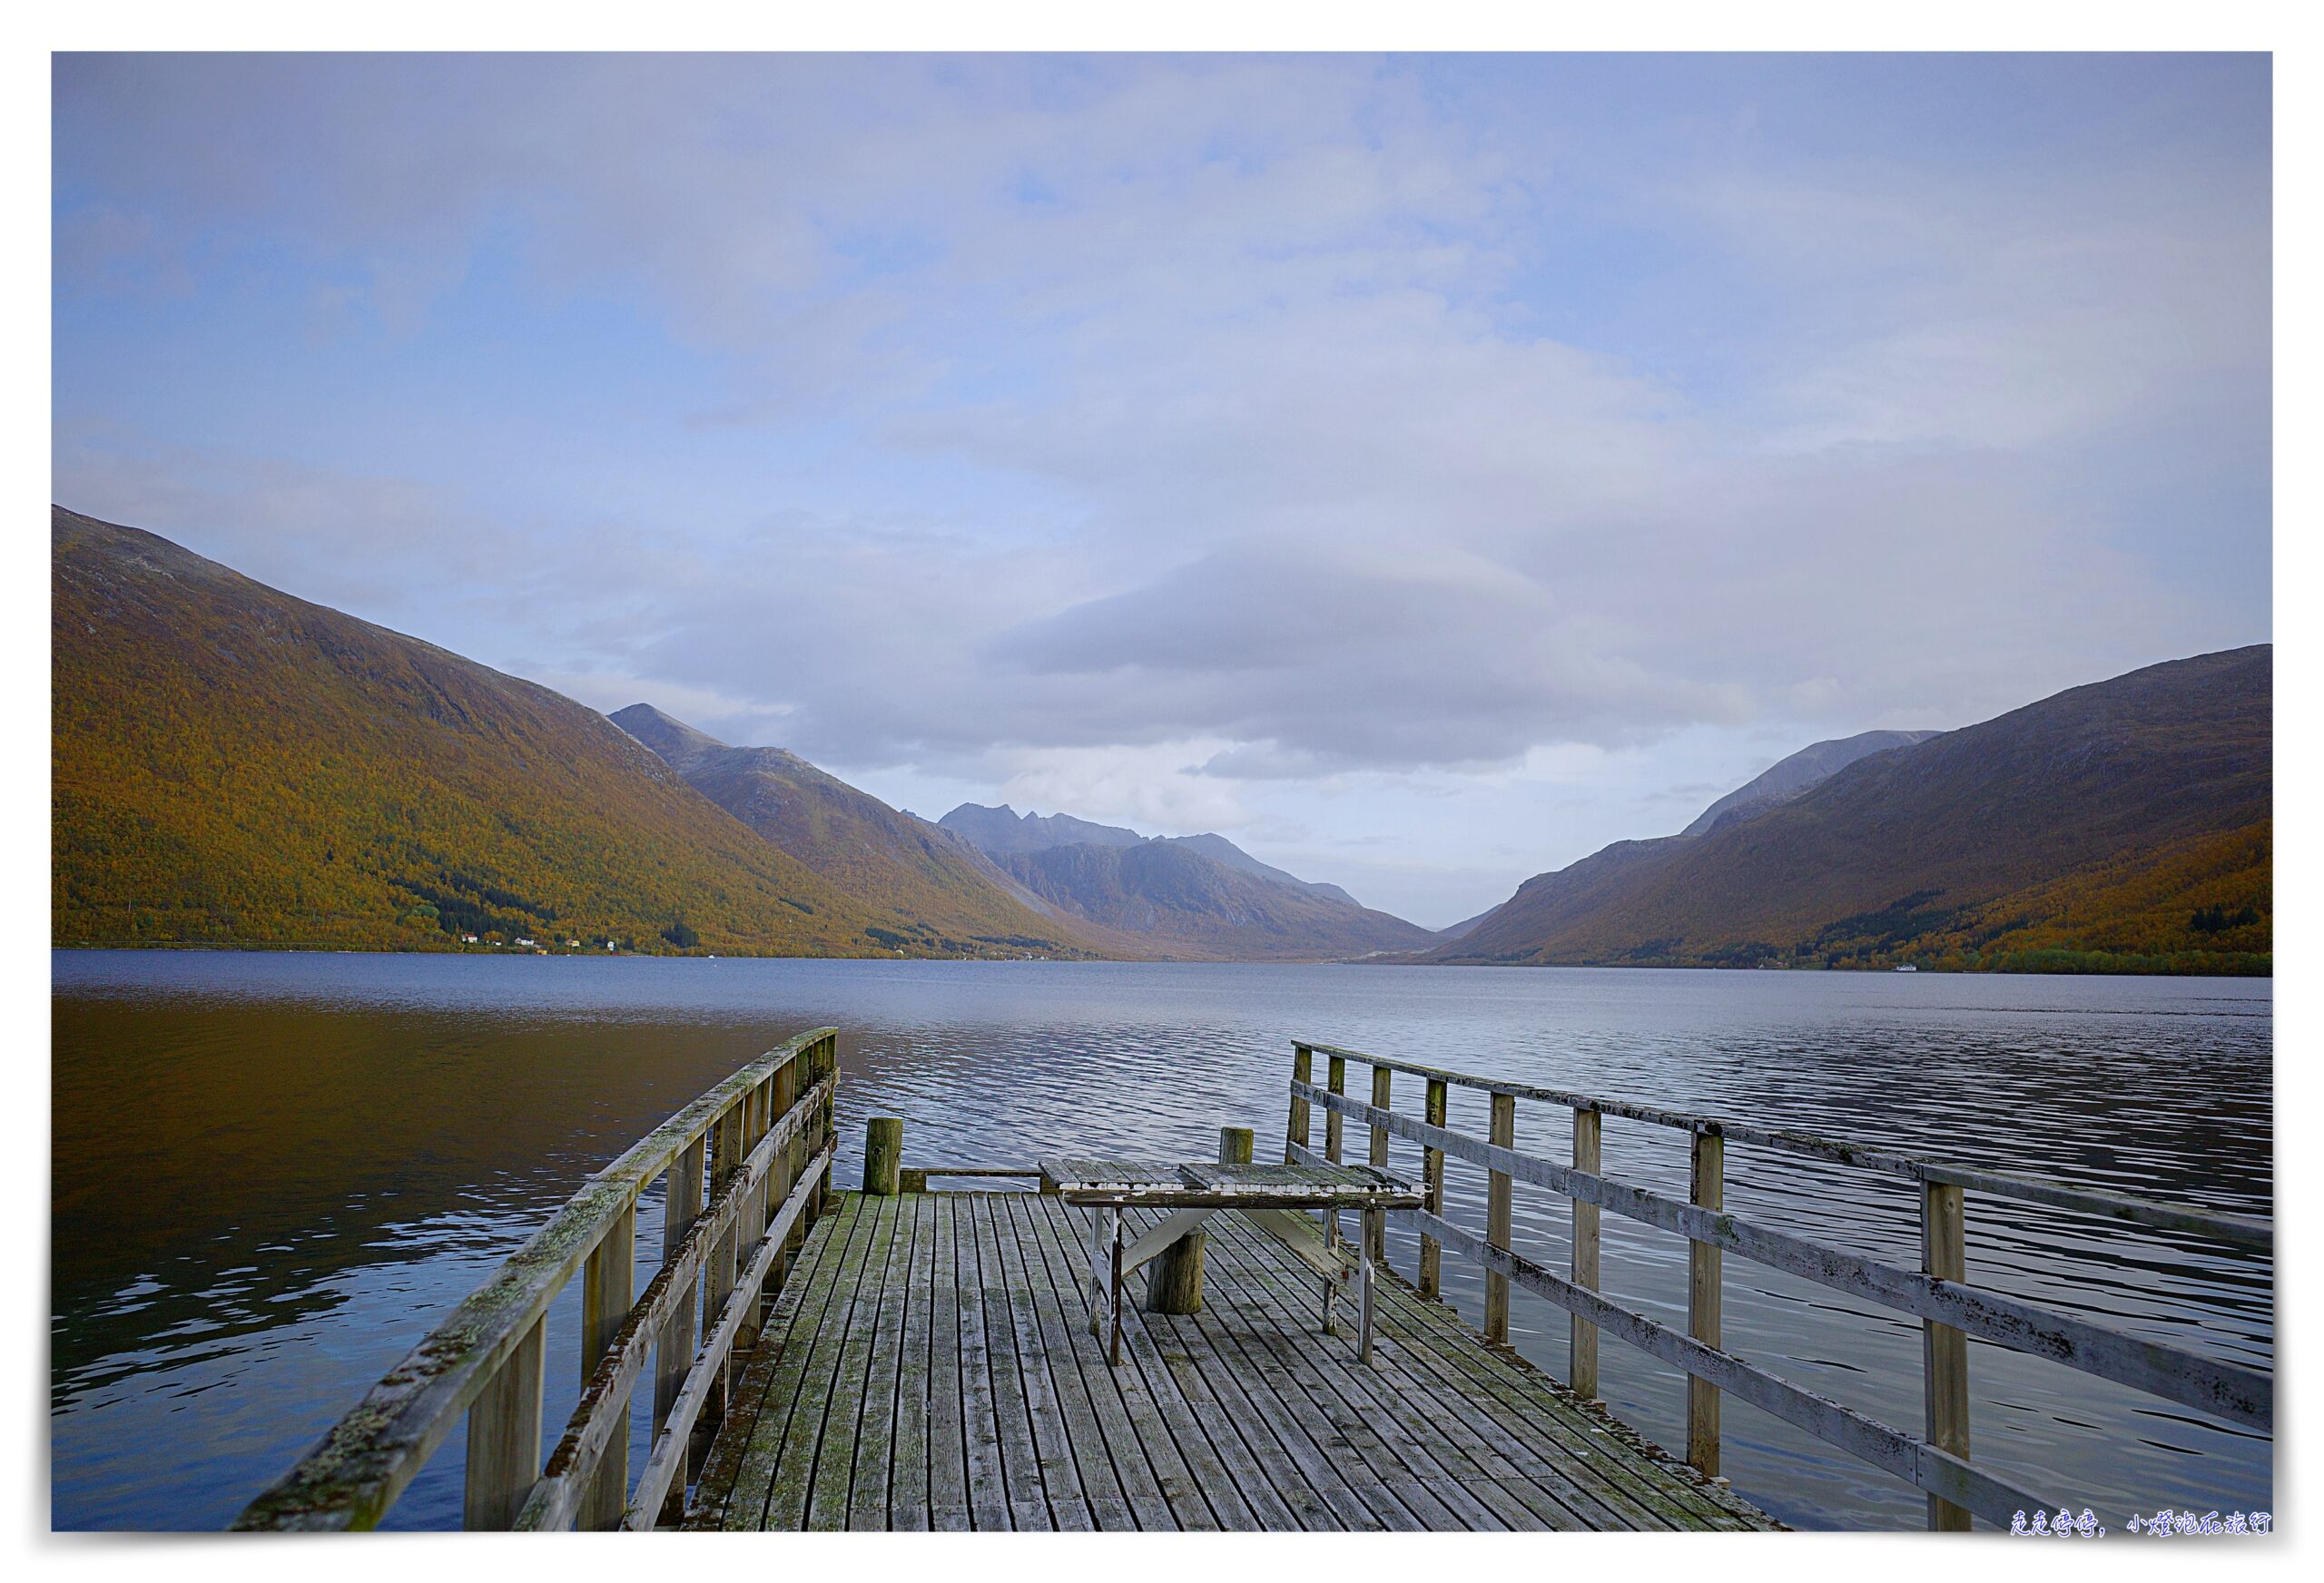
1422 471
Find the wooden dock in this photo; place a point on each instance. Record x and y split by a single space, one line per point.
899 1358
928 1366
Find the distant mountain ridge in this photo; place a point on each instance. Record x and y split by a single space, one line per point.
1186 895
954 900
2122 826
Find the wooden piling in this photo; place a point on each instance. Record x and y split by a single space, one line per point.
1503 1132
1235 1145
1174 1279
1945 1351
883 1155
1582 1346
1708 1188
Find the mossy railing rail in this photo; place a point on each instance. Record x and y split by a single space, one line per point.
1935 1461
746 1165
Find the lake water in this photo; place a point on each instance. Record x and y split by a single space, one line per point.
272 1172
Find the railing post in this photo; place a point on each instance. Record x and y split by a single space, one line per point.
1303 1070
780 1175
505 1437
674 1352
1582 1349
757 1123
608 1288
728 1151
1945 1351
1235 1145
1432 1178
1383 1098
1337 1084
1707 1189
1503 1132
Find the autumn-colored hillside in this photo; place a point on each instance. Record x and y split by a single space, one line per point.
235 766
2118 827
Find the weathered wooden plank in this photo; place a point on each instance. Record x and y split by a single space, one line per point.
987 1484
1170 1449
879 1463
948 1466
1106 1447
1228 1479
1926 1466
830 1495
1185 1468
1317 1444
1209 1367
1280 1500
1024 1484
1465 1362
1242 1399
1399 1446
1589 1464
782 1447
1469 1434
822 1428
908 1484
1055 1394
2226 1390
734 1480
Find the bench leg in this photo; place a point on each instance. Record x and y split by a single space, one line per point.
1331 1287
1101 1261
1374 1224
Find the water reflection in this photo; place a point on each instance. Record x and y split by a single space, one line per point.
270 1171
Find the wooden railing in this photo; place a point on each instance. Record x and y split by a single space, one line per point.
1935 1461
746 1165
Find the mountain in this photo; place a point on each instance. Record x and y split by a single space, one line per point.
1219 849
234 766
954 899
1810 766
997 831
1189 896
2125 825
1003 829
1182 903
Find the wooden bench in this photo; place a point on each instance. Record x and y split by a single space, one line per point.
1274 1198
